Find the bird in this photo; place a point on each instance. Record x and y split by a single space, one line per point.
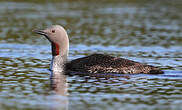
92 64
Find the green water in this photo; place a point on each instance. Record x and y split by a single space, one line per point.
140 30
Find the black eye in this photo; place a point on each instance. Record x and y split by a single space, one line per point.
53 31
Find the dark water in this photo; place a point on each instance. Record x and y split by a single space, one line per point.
140 30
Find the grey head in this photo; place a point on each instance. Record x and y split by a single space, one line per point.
58 37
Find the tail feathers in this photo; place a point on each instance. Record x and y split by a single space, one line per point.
156 71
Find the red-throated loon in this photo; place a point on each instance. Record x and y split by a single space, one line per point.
96 63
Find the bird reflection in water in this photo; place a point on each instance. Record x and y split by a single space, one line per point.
59 87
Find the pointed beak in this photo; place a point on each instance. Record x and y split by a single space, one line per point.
41 32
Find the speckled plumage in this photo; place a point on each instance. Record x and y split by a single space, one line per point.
96 63
99 63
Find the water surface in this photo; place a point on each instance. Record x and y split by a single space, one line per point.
141 30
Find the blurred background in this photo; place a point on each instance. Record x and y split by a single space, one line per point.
147 31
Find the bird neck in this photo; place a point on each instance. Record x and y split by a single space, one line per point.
59 57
